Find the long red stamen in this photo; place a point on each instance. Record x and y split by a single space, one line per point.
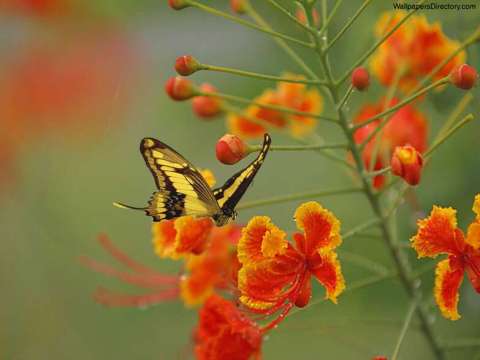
120 256
142 280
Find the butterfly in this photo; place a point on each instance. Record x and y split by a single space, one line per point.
182 190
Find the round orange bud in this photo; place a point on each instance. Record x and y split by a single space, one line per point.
179 88
238 6
360 78
178 4
186 65
464 76
407 163
207 107
230 149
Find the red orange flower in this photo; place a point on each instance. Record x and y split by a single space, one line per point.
439 234
406 126
407 163
276 274
414 49
215 268
224 332
255 120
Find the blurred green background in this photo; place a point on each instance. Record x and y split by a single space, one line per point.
63 171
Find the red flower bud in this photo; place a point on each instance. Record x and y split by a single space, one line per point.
179 88
207 106
186 65
178 4
407 163
230 149
379 357
301 16
238 6
360 78
464 76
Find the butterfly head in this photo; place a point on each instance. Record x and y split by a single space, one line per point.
224 217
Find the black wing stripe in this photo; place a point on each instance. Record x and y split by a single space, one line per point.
232 191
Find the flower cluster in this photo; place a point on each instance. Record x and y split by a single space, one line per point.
412 51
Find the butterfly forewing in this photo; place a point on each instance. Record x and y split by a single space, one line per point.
232 191
182 190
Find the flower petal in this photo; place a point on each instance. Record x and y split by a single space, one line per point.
438 234
192 234
260 239
473 233
321 227
196 287
473 269
448 278
164 234
328 272
265 284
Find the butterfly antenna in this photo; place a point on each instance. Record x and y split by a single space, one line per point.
123 206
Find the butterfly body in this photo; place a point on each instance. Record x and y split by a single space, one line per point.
182 190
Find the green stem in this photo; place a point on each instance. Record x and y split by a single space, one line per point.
346 96
459 108
395 108
375 46
294 197
403 332
449 133
363 262
281 43
284 109
330 17
255 148
400 260
348 24
362 227
291 16
239 21
258 75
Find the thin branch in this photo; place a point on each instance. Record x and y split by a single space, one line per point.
300 147
292 17
258 75
403 332
294 197
240 21
348 24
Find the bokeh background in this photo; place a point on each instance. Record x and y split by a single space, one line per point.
81 82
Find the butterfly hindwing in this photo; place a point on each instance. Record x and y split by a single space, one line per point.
182 190
232 191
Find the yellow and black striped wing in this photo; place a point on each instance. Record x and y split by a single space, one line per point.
232 191
182 190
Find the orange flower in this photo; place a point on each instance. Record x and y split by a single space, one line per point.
415 49
406 126
255 120
275 274
215 268
439 234
224 332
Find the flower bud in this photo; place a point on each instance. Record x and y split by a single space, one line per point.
186 65
464 76
238 6
207 107
360 78
230 149
379 357
301 16
179 88
407 163
178 4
